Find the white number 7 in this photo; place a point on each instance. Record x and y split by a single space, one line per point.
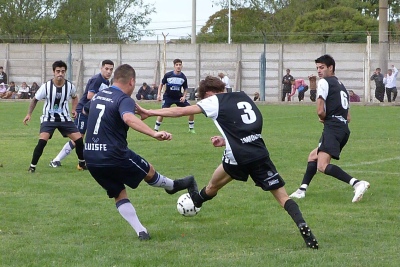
97 126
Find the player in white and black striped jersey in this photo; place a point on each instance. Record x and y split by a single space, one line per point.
56 114
240 123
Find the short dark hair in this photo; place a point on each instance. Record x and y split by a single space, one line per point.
378 69
177 61
107 62
327 60
59 64
124 73
210 83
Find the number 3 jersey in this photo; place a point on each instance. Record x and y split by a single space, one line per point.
105 140
240 123
336 102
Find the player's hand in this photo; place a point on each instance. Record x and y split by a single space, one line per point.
73 113
26 119
218 141
158 98
162 136
141 112
182 99
321 120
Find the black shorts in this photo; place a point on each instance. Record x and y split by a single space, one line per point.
332 142
81 122
263 173
114 178
168 102
65 128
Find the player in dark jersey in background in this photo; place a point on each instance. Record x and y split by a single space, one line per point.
174 81
240 122
56 93
109 160
333 112
95 84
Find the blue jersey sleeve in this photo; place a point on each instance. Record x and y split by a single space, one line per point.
127 105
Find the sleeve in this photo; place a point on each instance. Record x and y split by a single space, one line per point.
73 91
396 71
210 106
41 93
185 84
322 89
93 86
127 105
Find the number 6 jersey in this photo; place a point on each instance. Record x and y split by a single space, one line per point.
240 122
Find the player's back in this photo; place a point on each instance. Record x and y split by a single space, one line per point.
337 103
105 140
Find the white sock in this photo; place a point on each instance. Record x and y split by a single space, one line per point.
352 181
191 124
65 151
128 212
159 180
157 126
304 186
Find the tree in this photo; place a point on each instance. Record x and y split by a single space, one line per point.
338 24
24 21
100 21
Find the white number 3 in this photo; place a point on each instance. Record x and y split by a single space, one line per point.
250 115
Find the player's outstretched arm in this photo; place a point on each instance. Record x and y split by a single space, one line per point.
30 110
138 125
321 109
175 111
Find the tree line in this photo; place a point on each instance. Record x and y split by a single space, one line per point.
252 21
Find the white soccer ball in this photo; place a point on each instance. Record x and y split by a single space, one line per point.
185 206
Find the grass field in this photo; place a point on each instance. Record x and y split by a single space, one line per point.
61 217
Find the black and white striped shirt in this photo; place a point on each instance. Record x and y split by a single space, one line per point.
56 106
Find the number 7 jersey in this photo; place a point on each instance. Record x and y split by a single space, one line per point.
240 122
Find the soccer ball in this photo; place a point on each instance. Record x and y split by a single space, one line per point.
185 206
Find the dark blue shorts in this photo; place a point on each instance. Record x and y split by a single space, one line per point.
81 122
113 179
65 128
263 173
168 102
332 142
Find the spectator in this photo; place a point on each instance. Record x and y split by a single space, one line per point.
354 97
380 87
11 92
3 76
225 80
33 89
23 91
313 87
3 90
256 96
287 85
301 86
390 83
144 93
154 92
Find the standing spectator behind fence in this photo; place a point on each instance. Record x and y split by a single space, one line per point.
380 87
301 86
313 87
23 91
3 76
33 90
287 85
390 83
225 80
144 92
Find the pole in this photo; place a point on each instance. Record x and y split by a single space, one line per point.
367 89
229 23
69 64
383 35
193 21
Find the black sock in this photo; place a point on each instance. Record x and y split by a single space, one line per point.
338 173
79 148
293 210
311 170
201 197
38 151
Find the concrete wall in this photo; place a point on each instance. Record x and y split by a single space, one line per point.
32 62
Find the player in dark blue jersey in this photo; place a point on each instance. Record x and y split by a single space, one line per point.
109 160
95 84
333 111
174 81
240 122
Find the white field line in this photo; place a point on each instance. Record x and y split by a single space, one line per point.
369 162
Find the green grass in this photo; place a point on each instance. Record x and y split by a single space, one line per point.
61 217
